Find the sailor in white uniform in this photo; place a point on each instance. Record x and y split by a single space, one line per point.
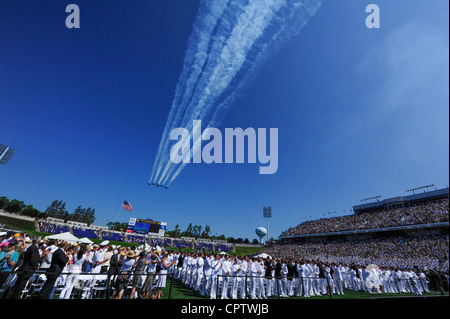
226 279
244 272
216 267
199 271
207 271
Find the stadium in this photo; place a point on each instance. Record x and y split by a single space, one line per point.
398 246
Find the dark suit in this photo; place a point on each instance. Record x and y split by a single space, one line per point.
59 261
25 271
180 261
290 274
278 271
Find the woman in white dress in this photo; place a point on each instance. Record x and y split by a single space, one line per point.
162 275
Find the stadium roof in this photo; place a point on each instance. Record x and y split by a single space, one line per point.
393 202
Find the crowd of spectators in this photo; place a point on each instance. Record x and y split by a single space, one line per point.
52 228
426 213
64 269
428 252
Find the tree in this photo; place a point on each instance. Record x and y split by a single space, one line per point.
207 231
57 209
3 202
197 229
177 232
30 211
14 206
189 230
77 214
83 215
255 242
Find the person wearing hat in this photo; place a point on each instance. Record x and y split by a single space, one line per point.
30 263
3 239
122 281
8 260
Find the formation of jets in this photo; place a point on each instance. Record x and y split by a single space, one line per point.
158 185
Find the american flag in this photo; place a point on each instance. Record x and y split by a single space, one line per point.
126 206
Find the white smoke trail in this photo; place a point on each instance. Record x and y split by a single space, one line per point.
247 35
290 24
195 57
228 60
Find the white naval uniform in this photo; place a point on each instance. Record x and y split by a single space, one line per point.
243 282
253 273
216 269
184 269
338 279
199 271
423 281
307 281
226 279
207 271
261 291
235 269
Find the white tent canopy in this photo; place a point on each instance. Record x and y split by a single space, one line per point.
64 236
85 240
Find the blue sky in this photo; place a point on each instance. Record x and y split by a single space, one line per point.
360 112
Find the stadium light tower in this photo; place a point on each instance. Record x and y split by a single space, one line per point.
370 198
5 154
419 188
267 213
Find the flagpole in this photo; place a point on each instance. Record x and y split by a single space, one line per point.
114 228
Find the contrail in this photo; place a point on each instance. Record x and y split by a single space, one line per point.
227 59
244 36
196 55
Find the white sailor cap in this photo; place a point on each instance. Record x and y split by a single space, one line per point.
104 243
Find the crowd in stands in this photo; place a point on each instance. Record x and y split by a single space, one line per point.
94 233
85 232
431 212
428 252
52 228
